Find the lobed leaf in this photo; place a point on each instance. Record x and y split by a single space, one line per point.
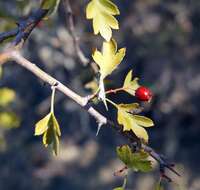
107 60
130 84
50 129
102 11
132 122
124 153
42 125
136 161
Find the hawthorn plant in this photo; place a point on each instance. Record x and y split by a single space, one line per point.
136 154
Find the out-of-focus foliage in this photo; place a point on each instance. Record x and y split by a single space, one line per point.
8 120
6 96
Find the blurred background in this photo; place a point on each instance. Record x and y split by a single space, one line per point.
162 38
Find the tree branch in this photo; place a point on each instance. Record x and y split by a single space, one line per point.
24 27
21 33
83 102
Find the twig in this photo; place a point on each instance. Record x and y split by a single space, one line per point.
9 34
70 19
24 27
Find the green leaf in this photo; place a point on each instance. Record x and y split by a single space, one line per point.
50 129
9 120
136 161
135 123
130 84
124 153
102 11
6 96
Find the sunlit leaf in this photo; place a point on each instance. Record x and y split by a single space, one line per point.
50 129
6 96
133 122
42 125
9 120
102 11
107 60
130 84
137 161
143 121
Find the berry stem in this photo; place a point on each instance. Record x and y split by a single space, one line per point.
111 102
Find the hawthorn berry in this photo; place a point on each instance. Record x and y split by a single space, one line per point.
143 93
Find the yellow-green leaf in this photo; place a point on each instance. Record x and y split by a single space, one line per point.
109 58
133 122
102 11
56 125
6 96
50 129
129 107
42 125
143 121
130 84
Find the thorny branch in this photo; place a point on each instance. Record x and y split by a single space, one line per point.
21 33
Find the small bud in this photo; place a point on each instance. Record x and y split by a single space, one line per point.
143 93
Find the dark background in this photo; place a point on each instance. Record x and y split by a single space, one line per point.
162 38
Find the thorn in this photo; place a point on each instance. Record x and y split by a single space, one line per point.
98 129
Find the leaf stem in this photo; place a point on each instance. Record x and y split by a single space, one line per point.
111 102
107 92
53 98
114 90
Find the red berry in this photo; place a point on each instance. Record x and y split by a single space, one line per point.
143 93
